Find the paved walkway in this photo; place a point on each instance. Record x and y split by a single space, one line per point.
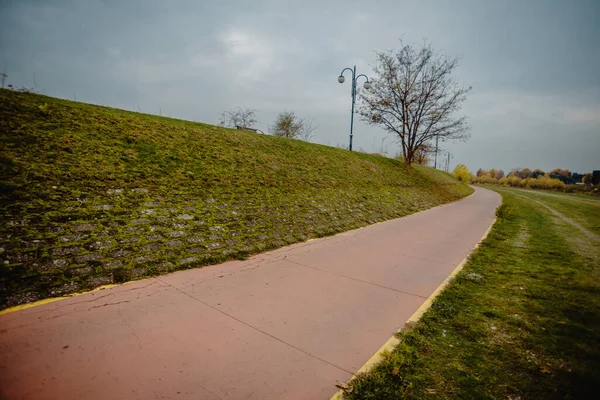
287 324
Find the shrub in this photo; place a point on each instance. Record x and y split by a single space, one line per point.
556 184
537 180
514 181
462 173
534 183
503 211
543 182
579 189
488 180
571 188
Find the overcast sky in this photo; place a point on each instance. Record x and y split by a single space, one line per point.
534 65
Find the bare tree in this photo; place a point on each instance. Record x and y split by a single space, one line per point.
287 124
414 96
242 117
423 153
308 128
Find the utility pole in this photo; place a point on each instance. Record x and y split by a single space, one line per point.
3 76
436 151
381 149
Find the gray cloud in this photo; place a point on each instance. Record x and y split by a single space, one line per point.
533 64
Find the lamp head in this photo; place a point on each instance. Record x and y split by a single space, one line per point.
367 85
341 79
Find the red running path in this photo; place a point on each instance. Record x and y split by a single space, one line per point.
288 324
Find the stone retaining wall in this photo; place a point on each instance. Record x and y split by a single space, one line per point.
126 234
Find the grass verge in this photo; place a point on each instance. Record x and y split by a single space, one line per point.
583 209
521 320
92 195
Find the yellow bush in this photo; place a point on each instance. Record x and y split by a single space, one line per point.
514 181
533 183
557 184
541 182
488 180
462 173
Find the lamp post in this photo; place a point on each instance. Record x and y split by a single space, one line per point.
367 86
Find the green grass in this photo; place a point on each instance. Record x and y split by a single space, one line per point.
92 195
521 321
583 209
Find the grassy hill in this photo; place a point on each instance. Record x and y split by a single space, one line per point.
93 195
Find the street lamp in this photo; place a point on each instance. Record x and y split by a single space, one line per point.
367 86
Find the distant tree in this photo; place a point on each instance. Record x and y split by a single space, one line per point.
423 154
413 95
515 172
462 173
564 175
492 173
308 129
537 173
587 179
244 117
525 173
522 173
498 174
287 124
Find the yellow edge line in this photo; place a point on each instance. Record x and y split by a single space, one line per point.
393 342
53 299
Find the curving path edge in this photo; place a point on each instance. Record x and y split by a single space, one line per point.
288 324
